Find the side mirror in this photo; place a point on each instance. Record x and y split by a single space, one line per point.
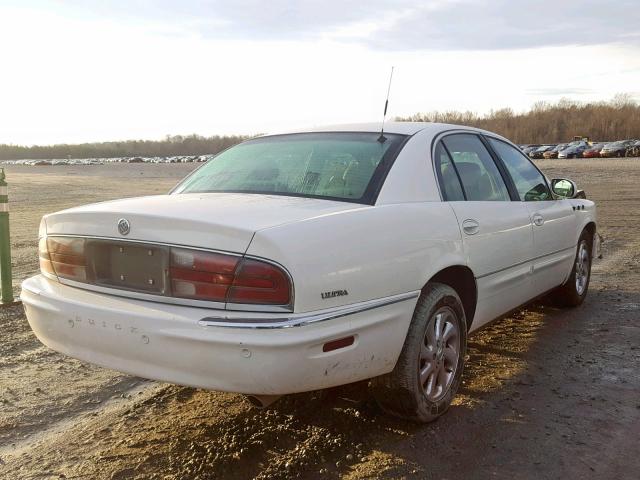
564 188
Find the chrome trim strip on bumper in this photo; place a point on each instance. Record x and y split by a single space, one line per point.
298 320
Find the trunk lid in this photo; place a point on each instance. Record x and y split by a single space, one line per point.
221 221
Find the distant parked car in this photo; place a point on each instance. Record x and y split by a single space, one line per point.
593 151
539 152
530 148
574 150
633 150
553 153
616 149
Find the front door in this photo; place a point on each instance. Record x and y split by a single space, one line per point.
554 221
554 226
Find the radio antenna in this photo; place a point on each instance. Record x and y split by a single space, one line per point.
382 138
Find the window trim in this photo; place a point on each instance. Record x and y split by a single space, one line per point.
502 168
377 181
434 142
439 174
499 159
441 136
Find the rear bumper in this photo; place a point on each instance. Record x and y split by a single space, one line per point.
192 346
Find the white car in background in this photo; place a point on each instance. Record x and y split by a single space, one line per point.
303 261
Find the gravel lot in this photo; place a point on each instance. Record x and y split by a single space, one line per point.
547 393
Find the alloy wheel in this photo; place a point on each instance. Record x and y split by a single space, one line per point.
582 268
439 354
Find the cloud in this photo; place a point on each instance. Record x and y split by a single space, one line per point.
508 24
387 24
559 92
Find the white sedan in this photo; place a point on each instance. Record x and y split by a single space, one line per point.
302 261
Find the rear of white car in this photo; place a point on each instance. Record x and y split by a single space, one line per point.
219 289
336 308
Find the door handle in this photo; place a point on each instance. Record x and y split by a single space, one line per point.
470 227
538 219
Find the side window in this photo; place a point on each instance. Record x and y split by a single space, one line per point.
480 177
530 183
451 188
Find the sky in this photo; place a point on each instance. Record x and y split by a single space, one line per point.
87 70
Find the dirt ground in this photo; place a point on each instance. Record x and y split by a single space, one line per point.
547 393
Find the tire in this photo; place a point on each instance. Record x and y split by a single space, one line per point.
573 292
440 358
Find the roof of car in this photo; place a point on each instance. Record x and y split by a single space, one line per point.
404 128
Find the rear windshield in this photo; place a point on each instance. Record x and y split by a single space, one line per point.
339 166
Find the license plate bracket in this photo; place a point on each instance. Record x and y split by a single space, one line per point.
130 266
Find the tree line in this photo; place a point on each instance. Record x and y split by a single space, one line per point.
617 119
170 146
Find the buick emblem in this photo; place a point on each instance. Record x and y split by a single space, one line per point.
123 226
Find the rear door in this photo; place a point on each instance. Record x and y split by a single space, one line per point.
496 231
554 220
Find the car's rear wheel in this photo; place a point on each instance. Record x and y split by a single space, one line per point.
429 369
573 292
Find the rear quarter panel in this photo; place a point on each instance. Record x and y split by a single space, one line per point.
370 253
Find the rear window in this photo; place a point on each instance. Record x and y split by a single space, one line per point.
339 166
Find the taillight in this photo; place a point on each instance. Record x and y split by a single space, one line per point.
66 256
191 274
201 275
259 282
225 278
43 255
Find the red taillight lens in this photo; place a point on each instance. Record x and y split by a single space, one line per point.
260 282
201 275
225 278
63 257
